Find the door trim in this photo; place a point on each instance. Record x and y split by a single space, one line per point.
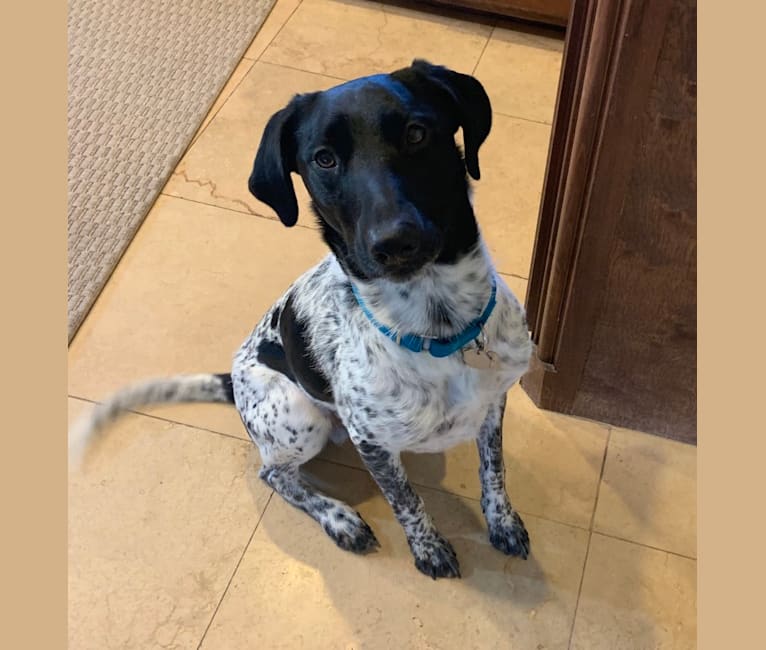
610 54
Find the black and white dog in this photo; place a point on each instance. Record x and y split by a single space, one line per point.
404 337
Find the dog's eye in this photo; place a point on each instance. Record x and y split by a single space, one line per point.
325 159
416 134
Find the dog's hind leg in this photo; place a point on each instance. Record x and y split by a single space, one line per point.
289 430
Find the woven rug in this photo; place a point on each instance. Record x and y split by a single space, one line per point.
142 76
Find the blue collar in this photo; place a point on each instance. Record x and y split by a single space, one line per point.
434 346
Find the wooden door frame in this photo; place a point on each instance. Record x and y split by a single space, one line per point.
607 68
544 12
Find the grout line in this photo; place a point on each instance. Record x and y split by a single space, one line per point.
236 568
291 67
585 564
484 49
199 133
579 592
642 545
590 536
600 477
524 119
279 31
513 275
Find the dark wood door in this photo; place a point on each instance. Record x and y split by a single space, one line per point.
612 292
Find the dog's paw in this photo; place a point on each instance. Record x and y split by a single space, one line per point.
509 535
350 532
435 557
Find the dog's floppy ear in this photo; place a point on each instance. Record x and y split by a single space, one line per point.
470 103
270 179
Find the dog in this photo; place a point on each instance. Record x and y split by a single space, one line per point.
404 337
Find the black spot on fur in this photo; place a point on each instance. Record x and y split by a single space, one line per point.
298 355
272 355
275 318
225 380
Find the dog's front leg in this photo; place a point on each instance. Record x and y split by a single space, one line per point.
434 555
506 529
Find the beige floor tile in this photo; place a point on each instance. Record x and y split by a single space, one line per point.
215 170
517 285
636 598
158 520
234 80
507 198
351 38
279 15
553 463
649 492
188 291
521 73
295 589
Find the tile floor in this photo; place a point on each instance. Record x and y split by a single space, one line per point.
175 543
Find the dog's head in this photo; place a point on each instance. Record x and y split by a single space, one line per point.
379 160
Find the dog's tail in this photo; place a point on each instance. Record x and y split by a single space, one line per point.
181 388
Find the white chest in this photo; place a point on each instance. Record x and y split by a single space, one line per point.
420 403
415 401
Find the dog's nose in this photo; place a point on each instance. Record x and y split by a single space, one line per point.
397 241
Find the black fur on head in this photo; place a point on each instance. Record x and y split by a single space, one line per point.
379 160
